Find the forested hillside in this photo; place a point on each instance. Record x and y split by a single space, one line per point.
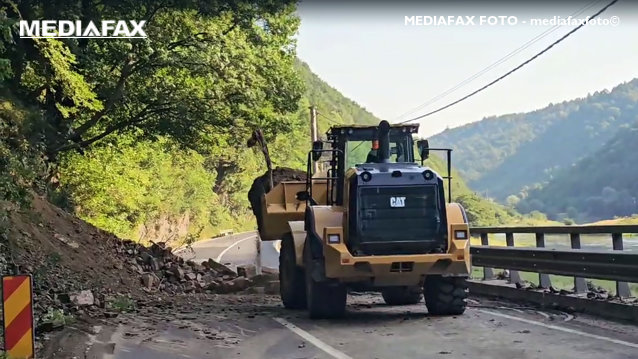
146 137
171 192
602 185
481 211
509 154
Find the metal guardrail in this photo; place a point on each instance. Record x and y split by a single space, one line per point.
610 266
581 264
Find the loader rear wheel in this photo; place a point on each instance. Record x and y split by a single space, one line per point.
325 299
292 285
445 295
401 295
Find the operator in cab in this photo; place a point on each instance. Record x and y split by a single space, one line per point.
372 155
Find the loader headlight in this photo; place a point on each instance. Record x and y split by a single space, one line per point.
462 234
366 176
333 238
428 175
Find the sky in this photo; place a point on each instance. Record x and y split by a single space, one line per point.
366 51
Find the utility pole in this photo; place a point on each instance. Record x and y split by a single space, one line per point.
314 134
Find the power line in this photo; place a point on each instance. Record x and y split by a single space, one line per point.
328 118
514 69
498 62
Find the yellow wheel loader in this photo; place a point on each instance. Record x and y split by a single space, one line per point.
374 219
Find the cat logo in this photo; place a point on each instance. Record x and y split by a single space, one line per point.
397 201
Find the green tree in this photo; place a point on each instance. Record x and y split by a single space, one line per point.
204 69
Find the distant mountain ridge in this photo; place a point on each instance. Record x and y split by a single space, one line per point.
504 155
600 186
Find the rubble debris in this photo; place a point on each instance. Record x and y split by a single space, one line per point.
149 280
161 270
66 241
272 287
248 271
504 274
82 298
82 273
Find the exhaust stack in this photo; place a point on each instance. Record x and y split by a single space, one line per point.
384 142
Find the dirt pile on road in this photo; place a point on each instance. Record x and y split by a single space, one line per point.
261 185
79 269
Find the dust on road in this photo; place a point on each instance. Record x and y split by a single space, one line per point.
244 326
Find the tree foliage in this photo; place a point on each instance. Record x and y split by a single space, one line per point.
204 68
130 185
123 126
122 188
600 186
20 163
480 211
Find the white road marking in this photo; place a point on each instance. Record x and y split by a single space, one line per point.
202 242
543 314
568 317
219 257
312 339
562 329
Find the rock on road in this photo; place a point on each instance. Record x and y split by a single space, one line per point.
257 326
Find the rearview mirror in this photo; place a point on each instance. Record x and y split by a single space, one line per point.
317 146
303 196
424 149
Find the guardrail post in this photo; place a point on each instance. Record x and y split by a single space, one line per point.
258 259
622 288
515 277
580 286
543 279
488 273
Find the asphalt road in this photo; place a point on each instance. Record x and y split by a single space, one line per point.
252 327
238 249
228 326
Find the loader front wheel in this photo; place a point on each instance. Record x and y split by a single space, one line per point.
292 285
445 295
402 295
325 299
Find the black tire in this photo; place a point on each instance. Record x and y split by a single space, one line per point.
401 295
292 281
445 295
325 300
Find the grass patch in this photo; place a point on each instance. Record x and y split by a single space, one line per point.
122 304
57 317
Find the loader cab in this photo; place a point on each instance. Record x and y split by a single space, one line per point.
373 174
355 146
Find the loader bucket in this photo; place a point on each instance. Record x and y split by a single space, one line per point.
280 206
